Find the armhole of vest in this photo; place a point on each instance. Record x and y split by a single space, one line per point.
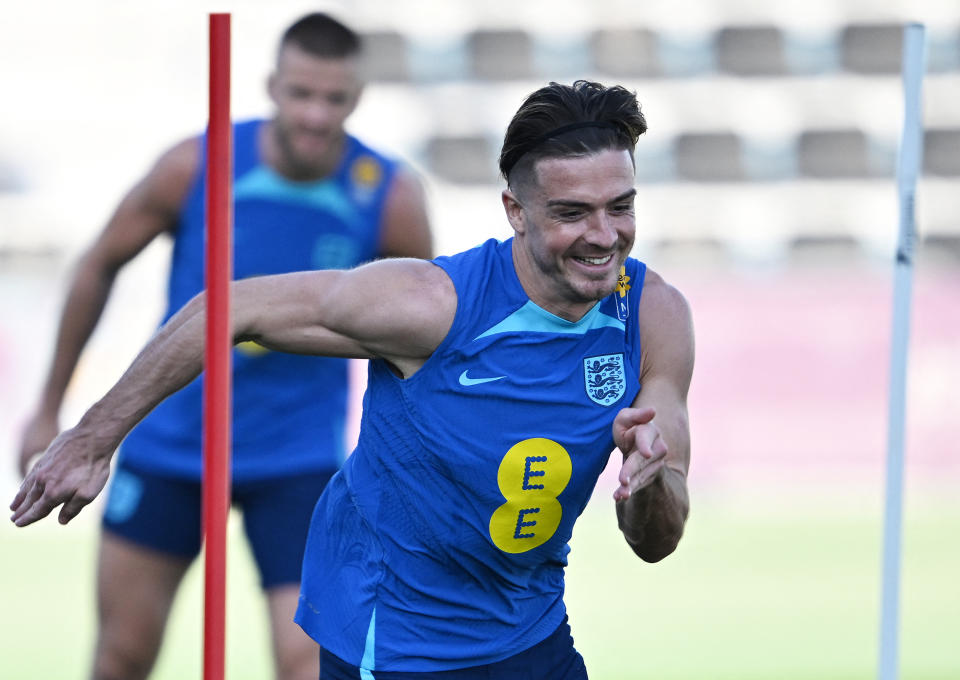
456 327
391 169
355 149
466 270
195 191
640 276
246 137
640 273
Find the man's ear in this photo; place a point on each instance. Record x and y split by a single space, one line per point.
514 211
356 98
272 86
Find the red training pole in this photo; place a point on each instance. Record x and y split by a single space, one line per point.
216 385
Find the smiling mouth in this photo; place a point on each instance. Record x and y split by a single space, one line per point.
594 260
313 138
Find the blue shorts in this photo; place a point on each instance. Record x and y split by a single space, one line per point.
553 659
165 514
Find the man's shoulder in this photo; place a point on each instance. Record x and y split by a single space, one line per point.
666 321
167 184
480 257
360 146
659 296
364 156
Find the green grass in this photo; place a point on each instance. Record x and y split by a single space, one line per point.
765 590
47 600
781 590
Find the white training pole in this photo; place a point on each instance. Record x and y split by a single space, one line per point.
908 167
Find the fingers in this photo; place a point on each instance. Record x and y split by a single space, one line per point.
37 505
637 477
38 497
21 495
643 439
625 421
72 508
71 473
642 464
628 417
29 504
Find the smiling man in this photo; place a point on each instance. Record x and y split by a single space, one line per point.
500 381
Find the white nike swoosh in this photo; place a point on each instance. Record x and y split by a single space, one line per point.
467 382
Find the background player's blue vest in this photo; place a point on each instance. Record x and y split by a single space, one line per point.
288 410
442 542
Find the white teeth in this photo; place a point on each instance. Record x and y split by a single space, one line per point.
594 260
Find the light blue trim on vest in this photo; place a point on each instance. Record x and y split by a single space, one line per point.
533 318
367 663
263 183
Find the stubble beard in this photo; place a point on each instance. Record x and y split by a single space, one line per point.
294 161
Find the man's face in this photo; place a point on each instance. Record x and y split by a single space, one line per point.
575 225
313 96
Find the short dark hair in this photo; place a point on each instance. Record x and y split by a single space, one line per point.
322 36
570 120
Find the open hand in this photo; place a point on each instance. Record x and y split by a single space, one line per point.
72 471
644 451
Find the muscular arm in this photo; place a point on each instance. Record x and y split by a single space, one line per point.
654 434
398 310
149 209
405 231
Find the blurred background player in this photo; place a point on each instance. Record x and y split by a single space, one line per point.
307 196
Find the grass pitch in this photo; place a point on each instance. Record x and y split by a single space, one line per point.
759 589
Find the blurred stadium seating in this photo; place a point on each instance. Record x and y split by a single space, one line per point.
781 125
771 109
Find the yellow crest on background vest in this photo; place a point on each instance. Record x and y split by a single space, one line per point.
366 171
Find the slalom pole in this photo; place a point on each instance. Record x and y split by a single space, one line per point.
908 168
216 385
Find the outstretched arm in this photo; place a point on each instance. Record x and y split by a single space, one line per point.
654 434
398 310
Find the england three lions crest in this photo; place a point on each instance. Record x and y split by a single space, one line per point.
604 378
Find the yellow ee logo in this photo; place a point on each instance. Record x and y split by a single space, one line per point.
531 476
251 348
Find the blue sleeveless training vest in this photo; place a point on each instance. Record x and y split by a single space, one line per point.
442 542
288 410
